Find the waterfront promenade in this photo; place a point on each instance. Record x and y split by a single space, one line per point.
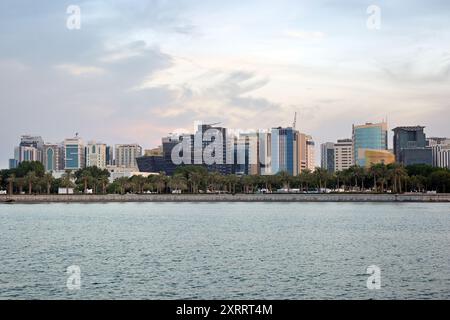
343 197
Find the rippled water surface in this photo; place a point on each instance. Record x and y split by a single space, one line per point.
225 250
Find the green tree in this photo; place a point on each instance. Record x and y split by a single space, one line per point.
11 180
47 179
67 180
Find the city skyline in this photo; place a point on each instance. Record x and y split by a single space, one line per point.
133 75
264 151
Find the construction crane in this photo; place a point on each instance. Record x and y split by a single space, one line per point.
294 125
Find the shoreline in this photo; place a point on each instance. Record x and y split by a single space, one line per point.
113 198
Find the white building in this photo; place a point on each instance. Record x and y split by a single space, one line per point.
122 172
310 154
96 155
343 154
440 152
126 155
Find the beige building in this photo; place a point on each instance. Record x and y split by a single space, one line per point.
126 155
343 154
156 152
305 153
96 154
310 153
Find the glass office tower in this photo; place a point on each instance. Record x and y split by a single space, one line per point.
369 136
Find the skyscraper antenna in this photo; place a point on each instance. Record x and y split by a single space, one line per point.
294 125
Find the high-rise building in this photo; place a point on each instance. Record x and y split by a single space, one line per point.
53 157
126 155
410 146
30 149
13 163
343 154
369 136
265 152
109 156
440 152
302 153
96 155
74 154
209 134
284 150
327 156
247 154
310 153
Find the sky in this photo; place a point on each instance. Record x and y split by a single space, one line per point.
138 70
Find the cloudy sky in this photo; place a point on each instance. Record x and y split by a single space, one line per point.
138 70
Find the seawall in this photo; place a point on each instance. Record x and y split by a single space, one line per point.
226 198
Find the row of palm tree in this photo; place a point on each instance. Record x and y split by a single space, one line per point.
193 179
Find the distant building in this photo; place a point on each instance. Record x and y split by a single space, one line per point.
208 132
53 157
109 156
74 154
410 146
327 156
284 150
440 152
96 155
369 136
373 157
30 149
154 152
343 154
265 152
126 155
310 153
247 155
13 163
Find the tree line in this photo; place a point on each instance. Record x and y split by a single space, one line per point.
31 178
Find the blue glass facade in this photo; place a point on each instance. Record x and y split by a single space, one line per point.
72 157
370 136
49 165
283 149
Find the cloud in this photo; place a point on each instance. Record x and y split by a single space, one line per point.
304 35
77 70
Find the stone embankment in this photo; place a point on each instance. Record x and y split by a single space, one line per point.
226 198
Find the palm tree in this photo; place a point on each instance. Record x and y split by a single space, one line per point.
195 178
20 182
178 182
11 180
30 179
47 179
138 183
306 178
285 179
398 174
247 182
322 176
123 183
103 180
160 182
86 177
66 180
231 180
